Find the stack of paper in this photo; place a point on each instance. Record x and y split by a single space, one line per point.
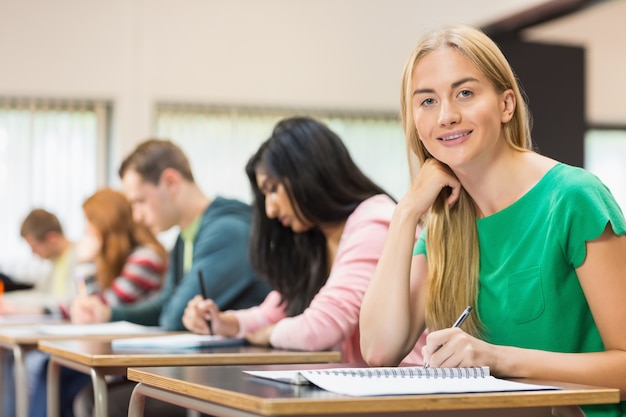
176 341
96 329
117 328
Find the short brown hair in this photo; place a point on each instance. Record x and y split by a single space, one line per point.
151 157
39 223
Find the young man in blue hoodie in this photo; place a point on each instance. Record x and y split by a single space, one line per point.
213 240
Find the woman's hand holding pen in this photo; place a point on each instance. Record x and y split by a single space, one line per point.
194 316
199 311
453 348
89 309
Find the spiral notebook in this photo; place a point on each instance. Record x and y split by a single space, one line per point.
400 381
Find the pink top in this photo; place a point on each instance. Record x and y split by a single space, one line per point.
332 319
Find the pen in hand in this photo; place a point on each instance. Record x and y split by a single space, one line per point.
464 315
204 295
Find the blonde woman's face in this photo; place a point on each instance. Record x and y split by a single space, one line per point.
457 112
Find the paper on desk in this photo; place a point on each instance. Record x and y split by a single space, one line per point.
29 319
95 329
176 341
118 328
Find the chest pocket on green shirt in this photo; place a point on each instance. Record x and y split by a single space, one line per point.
525 298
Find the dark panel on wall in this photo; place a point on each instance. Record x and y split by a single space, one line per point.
553 77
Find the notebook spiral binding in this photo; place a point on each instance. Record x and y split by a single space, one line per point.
409 372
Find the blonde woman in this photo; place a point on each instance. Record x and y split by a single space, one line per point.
535 246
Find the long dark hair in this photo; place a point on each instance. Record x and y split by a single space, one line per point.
322 180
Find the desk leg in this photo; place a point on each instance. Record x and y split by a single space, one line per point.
21 386
100 394
2 359
568 411
137 405
137 402
100 389
53 388
141 392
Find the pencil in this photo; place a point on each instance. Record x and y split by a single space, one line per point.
204 295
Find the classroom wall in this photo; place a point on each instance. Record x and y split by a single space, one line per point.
344 54
601 31
312 54
556 98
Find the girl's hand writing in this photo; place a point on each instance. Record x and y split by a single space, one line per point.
199 310
89 309
453 348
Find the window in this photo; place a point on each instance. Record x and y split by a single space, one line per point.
52 155
219 142
605 156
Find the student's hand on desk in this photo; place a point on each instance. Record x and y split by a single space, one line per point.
199 311
7 309
193 316
89 309
453 348
261 337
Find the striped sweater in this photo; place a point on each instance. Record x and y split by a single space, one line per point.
140 279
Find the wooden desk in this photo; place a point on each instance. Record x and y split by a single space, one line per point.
98 359
227 391
29 319
21 338
19 342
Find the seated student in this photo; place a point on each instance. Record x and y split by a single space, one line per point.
318 231
214 238
547 291
43 233
120 263
158 181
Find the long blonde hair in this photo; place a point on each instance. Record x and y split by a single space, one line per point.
451 237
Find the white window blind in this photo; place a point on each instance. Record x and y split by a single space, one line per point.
52 156
219 142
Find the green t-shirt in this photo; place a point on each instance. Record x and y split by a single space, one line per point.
529 295
189 235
